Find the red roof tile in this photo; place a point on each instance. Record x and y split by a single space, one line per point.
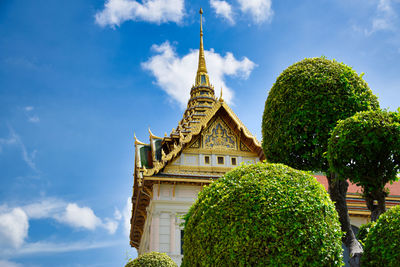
394 189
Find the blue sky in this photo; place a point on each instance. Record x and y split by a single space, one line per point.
78 78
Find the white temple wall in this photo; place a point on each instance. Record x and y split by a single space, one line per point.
162 231
358 220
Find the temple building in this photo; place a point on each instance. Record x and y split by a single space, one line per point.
170 171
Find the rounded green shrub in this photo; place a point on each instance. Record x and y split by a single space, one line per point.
382 247
364 231
263 215
365 148
152 259
303 106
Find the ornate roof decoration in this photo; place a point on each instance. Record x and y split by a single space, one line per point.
177 140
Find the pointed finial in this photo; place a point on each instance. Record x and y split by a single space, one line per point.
202 76
151 134
201 21
220 96
137 142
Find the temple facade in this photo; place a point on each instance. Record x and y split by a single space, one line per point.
170 171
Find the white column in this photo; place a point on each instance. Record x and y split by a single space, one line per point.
172 234
155 228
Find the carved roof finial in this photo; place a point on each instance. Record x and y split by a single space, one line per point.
220 96
137 142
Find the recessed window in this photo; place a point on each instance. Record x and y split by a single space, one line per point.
203 79
220 160
233 161
207 160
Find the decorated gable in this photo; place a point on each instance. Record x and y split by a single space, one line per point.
219 136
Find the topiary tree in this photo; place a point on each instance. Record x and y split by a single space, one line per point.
263 215
152 259
365 148
302 107
382 247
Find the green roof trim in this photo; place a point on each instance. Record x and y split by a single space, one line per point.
157 145
145 155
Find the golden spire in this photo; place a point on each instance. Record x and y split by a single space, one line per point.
202 76
202 95
220 96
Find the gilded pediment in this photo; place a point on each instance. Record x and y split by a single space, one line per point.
219 136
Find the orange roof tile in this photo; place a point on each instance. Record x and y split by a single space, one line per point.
394 189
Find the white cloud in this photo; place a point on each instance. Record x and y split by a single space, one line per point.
110 225
175 74
384 19
34 119
70 214
117 214
260 10
116 12
52 247
14 139
81 217
223 9
5 263
126 215
46 208
13 228
31 117
47 247
7 141
14 225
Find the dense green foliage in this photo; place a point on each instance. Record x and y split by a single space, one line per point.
152 259
263 215
364 231
303 106
382 247
365 149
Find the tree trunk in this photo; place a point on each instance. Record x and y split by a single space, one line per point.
337 191
376 208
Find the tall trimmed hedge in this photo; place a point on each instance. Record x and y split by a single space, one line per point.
263 215
365 149
382 247
152 259
303 106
